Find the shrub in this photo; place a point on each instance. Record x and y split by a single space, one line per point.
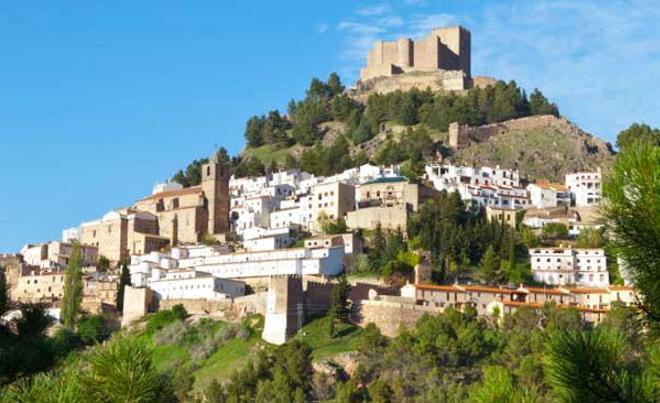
173 333
243 333
92 329
162 318
123 371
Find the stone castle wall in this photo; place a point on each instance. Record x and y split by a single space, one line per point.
445 48
461 136
231 311
390 316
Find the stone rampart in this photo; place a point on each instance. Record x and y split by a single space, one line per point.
389 316
231 311
441 80
461 136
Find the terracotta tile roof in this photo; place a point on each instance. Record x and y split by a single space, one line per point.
494 290
549 185
586 290
620 288
171 193
452 288
551 291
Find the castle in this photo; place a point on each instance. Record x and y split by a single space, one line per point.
446 49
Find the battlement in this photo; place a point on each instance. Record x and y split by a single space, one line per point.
445 48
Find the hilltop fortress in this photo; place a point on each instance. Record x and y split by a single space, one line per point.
440 61
445 49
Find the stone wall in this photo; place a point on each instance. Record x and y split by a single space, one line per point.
441 80
390 218
390 316
461 136
231 311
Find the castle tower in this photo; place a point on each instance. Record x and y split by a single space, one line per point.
215 184
284 308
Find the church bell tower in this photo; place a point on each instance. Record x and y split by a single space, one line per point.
215 184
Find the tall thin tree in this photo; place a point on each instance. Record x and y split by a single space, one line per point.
73 289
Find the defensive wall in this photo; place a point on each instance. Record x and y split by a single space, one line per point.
461 136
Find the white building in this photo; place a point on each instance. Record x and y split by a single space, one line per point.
585 187
260 239
71 234
564 266
56 254
544 194
218 262
484 186
448 177
192 284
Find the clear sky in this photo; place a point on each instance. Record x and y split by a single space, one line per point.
101 100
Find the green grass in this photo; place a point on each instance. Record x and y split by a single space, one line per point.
231 356
317 336
269 153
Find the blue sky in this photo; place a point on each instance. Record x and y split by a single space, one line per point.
100 100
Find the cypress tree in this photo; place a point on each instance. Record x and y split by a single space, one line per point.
73 289
124 280
489 269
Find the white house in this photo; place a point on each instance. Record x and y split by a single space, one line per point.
145 269
544 194
564 266
192 284
585 187
448 176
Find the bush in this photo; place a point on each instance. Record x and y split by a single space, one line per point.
123 371
92 329
162 318
244 333
173 333
203 349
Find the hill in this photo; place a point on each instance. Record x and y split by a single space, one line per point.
542 147
329 131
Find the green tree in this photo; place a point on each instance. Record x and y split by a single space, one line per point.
124 281
490 270
339 310
590 238
103 265
539 104
123 371
638 133
73 289
253 131
633 211
588 366
555 231
92 329
334 85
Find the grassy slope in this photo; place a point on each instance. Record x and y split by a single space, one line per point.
539 153
234 354
547 153
317 336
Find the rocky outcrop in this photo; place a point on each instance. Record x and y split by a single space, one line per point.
539 146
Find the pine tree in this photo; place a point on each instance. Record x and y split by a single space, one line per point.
73 289
489 269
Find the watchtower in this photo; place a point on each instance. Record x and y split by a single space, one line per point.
215 184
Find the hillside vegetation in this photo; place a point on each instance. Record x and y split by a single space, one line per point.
327 131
